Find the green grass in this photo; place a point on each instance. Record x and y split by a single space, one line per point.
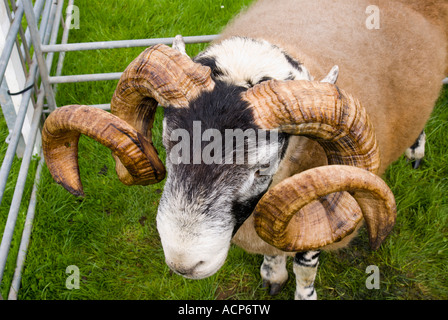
111 235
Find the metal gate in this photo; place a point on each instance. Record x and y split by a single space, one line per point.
27 93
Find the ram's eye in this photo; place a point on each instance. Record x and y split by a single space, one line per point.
263 171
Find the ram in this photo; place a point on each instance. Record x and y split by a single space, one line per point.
301 172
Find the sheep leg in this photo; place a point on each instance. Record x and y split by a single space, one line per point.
416 152
274 274
305 269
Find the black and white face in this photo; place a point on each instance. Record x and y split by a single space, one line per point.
218 168
219 163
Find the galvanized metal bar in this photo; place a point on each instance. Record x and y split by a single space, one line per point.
36 40
45 23
54 31
26 235
118 44
16 133
10 116
38 7
22 176
86 77
20 185
21 54
24 49
104 106
64 40
49 24
123 43
10 40
445 81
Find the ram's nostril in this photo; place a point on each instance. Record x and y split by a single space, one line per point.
185 270
182 271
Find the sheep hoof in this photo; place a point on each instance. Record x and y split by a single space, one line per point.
416 152
416 163
274 288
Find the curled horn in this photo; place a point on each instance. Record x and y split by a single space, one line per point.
61 133
159 75
337 121
312 230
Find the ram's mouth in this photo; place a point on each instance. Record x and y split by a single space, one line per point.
200 272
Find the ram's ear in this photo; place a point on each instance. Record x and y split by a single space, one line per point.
179 44
332 76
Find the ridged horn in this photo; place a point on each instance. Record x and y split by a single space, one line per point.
61 133
280 221
337 121
159 75
322 112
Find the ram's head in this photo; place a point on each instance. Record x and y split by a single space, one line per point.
206 199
